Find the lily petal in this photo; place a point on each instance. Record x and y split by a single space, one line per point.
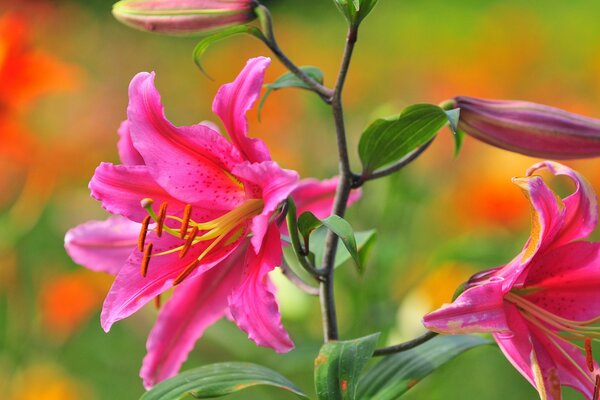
548 215
567 279
102 246
581 206
317 196
127 153
253 305
275 185
478 309
120 188
130 290
234 99
196 304
190 162
516 344
547 378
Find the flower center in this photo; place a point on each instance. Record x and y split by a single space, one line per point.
223 230
559 329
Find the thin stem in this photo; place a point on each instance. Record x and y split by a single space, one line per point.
411 344
392 168
326 288
324 92
297 281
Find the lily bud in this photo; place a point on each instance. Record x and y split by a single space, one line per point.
184 17
529 128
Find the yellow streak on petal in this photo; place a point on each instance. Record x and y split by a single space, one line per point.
537 376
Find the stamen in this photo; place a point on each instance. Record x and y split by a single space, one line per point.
588 354
146 259
188 242
157 302
162 213
187 212
597 388
143 232
186 272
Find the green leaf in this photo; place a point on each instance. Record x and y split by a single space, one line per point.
307 223
396 374
364 8
356 10
216 380
289 80
338 366
388 140
205 43
364 242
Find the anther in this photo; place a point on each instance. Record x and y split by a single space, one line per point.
588 354
143 232
162 214
146 259
187 212
157 302
189 241
186 272
597 388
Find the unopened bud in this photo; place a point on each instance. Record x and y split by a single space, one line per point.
529 128
184 17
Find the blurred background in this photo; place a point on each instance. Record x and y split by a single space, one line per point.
64 71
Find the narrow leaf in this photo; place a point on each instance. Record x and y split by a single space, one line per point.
394 375
388 140
364 243
205 43
216 380
289 80
338 366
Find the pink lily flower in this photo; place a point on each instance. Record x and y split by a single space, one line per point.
545 301
206 223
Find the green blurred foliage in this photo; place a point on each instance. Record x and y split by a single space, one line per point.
438 214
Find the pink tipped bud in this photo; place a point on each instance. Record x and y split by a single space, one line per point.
184 17
529 128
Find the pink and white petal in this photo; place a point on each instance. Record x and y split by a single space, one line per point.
253 305
516 344
545 370
581 206
274 186
196 304
478 309
548 216
191 163
568 279
120 188
130 290
127 153
570 363
102 246
234 99
317 196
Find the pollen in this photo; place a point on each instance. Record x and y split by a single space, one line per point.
160 222
143 233
146 259
187 212
588 354
186 272
188 242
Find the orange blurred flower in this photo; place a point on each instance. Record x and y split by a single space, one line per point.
67 301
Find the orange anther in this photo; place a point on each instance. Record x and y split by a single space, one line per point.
146 259
143 232
186 272
597 388
588 354
187 212
157 302
162 214
188 242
